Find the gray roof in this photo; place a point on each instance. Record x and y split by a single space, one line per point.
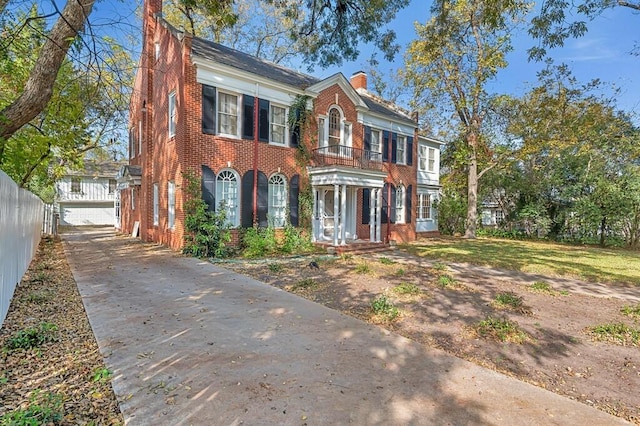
234 58
128 170
97 169
385 108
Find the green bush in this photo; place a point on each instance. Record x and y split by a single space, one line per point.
33 337
207 233
382 306
258 242
41 411
295 241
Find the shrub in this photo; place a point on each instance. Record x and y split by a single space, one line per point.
363 268
501 329
33 337
509 300
275 268
258 242
383 307
406 288
295 240
631 311
541 287
445 281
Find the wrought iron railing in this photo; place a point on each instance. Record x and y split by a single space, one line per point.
342 155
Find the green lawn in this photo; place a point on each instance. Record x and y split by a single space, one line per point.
587 263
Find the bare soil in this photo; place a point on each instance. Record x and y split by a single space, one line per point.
68 368
557 349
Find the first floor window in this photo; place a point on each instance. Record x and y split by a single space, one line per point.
227 114
171 205
227 195
401 149
75 185
424 206
278 200
499 216
278 125
400 193
156 214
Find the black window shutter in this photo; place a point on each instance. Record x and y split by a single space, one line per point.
367 138
263 121
263 199
385 146
394 147
246 208
366 207
209 188
407 204
392 216
208 109
294 191
409 150
385 204
247 117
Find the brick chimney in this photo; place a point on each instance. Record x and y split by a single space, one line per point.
359 80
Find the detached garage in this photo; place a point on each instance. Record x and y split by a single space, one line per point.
87 197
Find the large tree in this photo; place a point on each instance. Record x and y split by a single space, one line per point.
457 53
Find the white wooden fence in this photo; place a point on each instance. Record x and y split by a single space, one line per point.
21 214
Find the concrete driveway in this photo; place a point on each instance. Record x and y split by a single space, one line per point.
191 343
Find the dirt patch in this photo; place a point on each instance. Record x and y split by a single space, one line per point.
535 332
63 378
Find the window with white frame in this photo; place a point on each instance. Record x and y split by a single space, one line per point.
376 146
171 205
140 135
401 150
227 195
112 185
400 203
133 198
75 185
424 206
432 160
278 200
156 207
278 125
227 114
334 127
172 114
422 158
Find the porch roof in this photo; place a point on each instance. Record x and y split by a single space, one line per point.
339 175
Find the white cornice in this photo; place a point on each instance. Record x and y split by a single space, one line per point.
214 67
344 84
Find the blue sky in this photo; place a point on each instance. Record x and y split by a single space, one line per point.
602 53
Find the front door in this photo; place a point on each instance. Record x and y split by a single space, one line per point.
328 213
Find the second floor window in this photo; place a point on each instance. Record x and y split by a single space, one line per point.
227 114
334 127
278 124
375 141
431 165
172 114
422 158
401 150
112 185
75 185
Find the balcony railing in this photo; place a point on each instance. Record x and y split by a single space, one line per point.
342 155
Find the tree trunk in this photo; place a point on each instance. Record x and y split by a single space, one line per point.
472 188
603 225
39 87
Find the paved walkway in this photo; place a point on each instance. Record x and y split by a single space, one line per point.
194 344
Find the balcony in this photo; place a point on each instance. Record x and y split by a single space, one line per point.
341 155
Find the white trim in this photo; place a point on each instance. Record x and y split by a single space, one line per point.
238 97
171 205
156 205
285 136
172 114
344 84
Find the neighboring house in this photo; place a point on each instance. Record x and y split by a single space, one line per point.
492 214
428 185
222 115
88 196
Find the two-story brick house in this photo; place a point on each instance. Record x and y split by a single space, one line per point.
222 115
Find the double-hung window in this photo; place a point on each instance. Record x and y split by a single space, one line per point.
75 185
424 206
227 195
432 160
278 119
401 150
278 200
227 114
422 158
400 195
375 141
172 114
171 205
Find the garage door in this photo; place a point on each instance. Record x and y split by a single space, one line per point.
87 214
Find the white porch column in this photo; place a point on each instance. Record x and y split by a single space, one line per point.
336 213
372 214
315 217
321 195
343 216
378 214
